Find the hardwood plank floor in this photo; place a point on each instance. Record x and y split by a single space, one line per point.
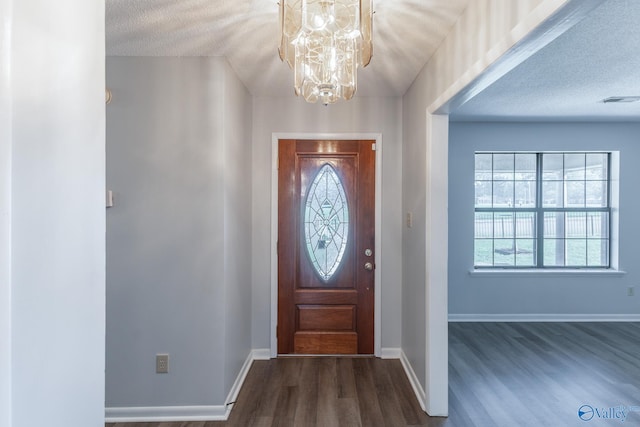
500 374
540 374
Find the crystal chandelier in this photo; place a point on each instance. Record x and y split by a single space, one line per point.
324 42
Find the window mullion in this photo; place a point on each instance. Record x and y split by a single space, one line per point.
539 214
609 200
514 243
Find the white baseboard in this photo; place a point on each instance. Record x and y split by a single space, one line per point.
544 317
413 379
166 414
261 354
237 384
390 353
397 353
187 413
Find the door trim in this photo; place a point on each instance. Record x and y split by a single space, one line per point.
377 312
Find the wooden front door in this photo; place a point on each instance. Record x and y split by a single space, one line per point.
326 223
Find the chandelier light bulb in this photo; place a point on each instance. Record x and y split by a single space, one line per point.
324 42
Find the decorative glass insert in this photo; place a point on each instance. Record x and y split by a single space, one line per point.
326 222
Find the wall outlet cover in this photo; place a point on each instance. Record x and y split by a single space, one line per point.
162 363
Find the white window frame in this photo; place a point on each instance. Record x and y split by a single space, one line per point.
611 209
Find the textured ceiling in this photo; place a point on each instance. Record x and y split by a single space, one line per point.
567 80
406 34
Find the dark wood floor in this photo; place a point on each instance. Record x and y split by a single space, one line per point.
500 374
540 374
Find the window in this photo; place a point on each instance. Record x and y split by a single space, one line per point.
542 210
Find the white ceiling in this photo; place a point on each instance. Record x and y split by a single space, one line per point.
406 34
597 58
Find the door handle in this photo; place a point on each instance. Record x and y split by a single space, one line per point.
368 266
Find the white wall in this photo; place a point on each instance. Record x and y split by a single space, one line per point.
57 212
5 213
178 241
293 115
531 295
486 30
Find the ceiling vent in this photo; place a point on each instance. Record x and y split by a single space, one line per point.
620 99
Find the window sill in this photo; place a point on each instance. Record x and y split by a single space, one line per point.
577 272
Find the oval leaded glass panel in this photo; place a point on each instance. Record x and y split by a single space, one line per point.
326 222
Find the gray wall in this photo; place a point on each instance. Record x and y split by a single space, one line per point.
365 115
486 30
236 121
178 237
414 181
55 177
535 294
5 216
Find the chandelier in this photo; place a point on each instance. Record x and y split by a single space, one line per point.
324 42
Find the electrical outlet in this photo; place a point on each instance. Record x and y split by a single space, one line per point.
162 363
630 291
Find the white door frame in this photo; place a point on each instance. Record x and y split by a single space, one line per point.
377 137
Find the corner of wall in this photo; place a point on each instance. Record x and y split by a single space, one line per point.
236 142
188 413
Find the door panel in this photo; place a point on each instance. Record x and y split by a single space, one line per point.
326 202
326 343
328 317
